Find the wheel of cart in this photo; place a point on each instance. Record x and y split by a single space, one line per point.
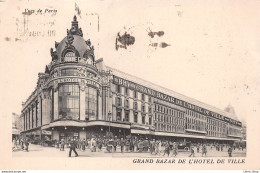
186 148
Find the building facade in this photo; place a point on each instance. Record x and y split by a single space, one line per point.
79 96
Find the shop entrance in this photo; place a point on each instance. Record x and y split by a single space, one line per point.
69 135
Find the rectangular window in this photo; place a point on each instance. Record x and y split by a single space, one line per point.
127 116
143 108
143 119
135 94
118 101
69 72
135 117
118 89
118 115
150 99
127 103
90 102
143 97
126 91
150 120
135 106
150 109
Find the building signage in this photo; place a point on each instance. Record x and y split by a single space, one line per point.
70 79
162 96
75 60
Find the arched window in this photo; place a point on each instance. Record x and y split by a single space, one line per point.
70 54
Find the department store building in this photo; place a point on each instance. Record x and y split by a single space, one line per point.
79 96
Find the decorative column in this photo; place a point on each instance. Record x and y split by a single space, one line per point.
99 105
39 111
82 100
56 102
45 110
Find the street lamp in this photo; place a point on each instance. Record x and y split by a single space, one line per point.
109 116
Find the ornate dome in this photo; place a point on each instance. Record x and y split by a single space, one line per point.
73 45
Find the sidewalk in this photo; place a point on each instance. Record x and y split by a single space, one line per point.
40 151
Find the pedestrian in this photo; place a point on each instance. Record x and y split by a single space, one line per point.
110 145
131 144
122 143
84 144
192 152
167 148
198 148
221 146
73 145
62 144
230 151
57 143
152 146
26 143
115 143
204 150
22 143
127 145
99 144
174 149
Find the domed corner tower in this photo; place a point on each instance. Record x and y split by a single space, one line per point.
75 83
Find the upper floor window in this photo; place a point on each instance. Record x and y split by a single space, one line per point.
150 120
69 72
70 54
135 94
118 89
150 99
127 103
126 91
135 106
143 108
126 115
143 119
143 97
135 117
150 109
118 115
118 101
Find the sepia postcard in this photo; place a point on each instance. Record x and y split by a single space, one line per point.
160 84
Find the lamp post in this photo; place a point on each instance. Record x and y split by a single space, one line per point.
109 116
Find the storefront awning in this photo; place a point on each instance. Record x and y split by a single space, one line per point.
193 136
196 131
67 123
15 131
144 132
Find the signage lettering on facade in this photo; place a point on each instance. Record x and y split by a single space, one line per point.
162 96
88 82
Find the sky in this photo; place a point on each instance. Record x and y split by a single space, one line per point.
213 53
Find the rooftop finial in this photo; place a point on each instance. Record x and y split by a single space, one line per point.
75 30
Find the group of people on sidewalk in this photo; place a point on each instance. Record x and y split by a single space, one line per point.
20 144
135 144
128 144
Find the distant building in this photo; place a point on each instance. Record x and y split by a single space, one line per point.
15 125
78 96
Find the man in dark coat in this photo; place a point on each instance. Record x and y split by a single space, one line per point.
73 145
115 143
230 151
122 143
